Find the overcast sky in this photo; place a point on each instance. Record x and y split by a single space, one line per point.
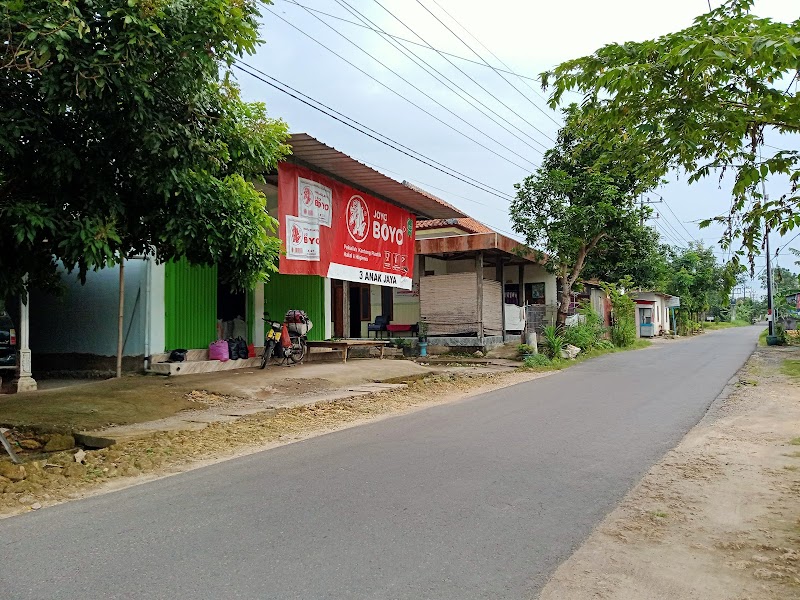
530 36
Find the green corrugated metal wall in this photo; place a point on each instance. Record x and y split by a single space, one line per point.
190 304
301 292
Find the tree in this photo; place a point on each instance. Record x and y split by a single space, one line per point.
704 96
121 133
699 280
636 253
571 210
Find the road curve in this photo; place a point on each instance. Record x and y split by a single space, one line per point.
476 499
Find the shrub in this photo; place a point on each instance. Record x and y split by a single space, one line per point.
523 349
553 340
604 345
537 360
623 327
586 333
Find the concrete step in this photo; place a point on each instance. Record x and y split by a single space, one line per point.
203 366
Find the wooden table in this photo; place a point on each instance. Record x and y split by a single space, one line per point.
345 345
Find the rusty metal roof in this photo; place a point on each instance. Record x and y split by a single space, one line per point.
312 153
466 224
491 244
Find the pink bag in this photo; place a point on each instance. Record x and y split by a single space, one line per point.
218 351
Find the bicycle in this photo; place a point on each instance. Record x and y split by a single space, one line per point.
286 340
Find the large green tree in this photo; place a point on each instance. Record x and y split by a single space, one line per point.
705 97
701 282
121 133
574 208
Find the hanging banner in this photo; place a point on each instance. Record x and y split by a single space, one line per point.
332 230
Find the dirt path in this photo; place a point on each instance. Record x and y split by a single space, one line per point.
719 517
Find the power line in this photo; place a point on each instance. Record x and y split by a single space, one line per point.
677 219
786 244
674 231
407 41
438 75
666 235
467 75
433 187
473 140
496 57
363 129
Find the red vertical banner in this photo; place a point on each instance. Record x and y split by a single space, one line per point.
332 230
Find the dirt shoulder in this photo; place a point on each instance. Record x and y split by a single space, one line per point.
719 517
59 477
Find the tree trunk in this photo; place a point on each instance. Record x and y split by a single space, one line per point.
563 307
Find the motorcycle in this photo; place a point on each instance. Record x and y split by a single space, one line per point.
287 340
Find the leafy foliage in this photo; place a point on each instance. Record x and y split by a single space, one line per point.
701 282
586 333
553 340
537 360
579 203
121 133
623 325
704 97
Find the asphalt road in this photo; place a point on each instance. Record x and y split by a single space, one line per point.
477 499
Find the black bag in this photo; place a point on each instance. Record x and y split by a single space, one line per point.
237 348
233 349
178 355
241 347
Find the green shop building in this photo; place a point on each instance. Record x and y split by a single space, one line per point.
181 306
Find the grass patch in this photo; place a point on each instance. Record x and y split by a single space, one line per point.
792 468
762 338
712 325
791 367
132 399
658 514
558 364
795 442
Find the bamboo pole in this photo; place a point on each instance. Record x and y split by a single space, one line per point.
121 316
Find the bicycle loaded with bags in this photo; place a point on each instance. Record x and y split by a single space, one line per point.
286 341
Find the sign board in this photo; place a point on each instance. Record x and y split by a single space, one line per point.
332 230
673 302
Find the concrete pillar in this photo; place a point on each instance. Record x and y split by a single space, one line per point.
24 381
521 298
479 300
258 314
328 307
502 275
346 309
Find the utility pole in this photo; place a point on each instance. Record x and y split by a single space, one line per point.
770 311
642 202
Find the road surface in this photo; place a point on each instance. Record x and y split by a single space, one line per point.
476 499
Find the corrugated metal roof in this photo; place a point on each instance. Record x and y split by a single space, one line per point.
491 243
466 224
330 161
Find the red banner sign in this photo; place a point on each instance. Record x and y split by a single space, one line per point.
332 230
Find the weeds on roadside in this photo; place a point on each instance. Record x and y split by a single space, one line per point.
537 360
553 338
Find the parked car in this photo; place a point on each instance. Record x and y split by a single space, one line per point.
8 342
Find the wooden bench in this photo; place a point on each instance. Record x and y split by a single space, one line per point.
345 345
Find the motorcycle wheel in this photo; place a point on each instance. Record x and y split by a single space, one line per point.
267 353
298 350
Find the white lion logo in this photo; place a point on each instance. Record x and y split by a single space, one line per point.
357 218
